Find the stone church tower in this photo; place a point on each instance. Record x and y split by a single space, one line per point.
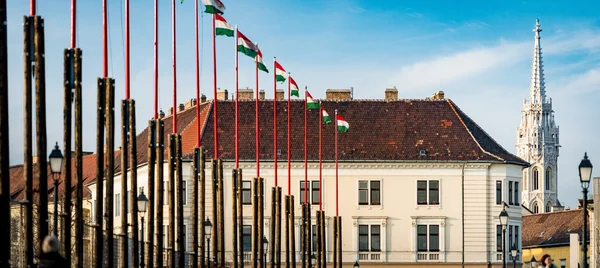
537 140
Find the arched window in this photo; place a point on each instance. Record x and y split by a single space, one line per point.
548 178
548 207
535 208
535 179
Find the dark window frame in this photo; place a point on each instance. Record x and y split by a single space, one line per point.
247 190
362 235
510 193
516 194
366 192
434 236
536 179
498 192
422 237
499 238
435 190
315 192
420 191
375 191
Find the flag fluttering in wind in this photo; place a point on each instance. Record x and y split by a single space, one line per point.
326 118
246 46
261 64
222 27
213 6
294 88
280 74
310 103
343 126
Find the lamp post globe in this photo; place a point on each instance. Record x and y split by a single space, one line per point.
533 261
56 159
513 252
356 265
142 202
503 221
207 230
266 247
585 171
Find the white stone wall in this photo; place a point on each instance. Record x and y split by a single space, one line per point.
398 213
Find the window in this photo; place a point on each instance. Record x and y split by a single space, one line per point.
246 193
428 195
536 209
165 188
516 193
166 236
563 263
517 237
548 207
499 238
369 237
363 192
184 192
498 192
314 238
535 179
434 198
117 205
510 194
548 177
315 192
510 235
184 237
429 242
422 192
247 238
375 193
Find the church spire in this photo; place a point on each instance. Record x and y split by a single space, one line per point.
538 89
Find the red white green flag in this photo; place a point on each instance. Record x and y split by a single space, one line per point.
246 46
280 74
326 118
342 124
213 6
222 27
294 88
261 64
310 102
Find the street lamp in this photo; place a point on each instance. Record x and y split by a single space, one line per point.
266 247
585 174
533 262
142 202
56 159
513 253
356 265
207 230
503 221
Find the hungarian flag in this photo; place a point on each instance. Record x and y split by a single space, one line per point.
310 103
246 46
294 88
326 118
342 125
261 64
213 6
222 27
280 74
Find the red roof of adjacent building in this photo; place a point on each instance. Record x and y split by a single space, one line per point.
551 229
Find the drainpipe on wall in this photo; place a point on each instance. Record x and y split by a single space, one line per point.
463 213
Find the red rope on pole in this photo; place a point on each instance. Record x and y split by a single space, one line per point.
174 36
155 58
216 126
305 150
320 158
73 22
257 131
127 66
197 81
289 154
275 119
237 137
337 208
104 40
32 8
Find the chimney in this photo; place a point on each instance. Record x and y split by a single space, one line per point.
203 98
279 94
170 111
338 94
181 107
191 103
391 94
261 94
222 94
161 114
246 94
438 95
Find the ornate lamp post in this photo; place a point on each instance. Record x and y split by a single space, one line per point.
142 202
207 230
533 262
356 265
266 247
513 252
56 159
585 174
503 221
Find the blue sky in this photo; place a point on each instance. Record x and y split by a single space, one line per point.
479 53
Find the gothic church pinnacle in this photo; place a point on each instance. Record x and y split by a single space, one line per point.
538 88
